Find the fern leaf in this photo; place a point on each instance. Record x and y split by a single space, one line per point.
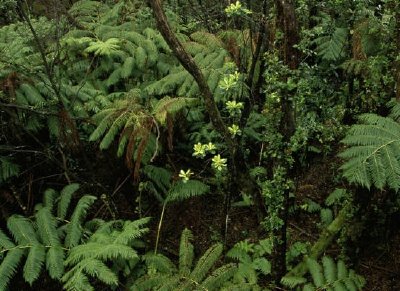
206 262
97 269
65 199
140 58
127 67
9 265
170 106
373 157
160 263
132 230
7 169
49 198
118 123
342 271
99 251
5 241
149 282
55 262
34 263
292 281
48 232
186 253
316 272
22 230
332 47
181 190
32 95
263 265
158 175
74 229
335 197
326 216
76 281
219 277
329 269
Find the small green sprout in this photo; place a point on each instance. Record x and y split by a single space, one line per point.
218 163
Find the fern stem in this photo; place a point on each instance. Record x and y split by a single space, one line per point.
27 247
159 226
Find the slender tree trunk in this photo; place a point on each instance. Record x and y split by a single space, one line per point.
287 23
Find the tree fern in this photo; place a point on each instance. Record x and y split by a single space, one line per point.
40 241
329 275
373 153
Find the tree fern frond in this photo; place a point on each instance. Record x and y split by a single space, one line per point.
170 106
65 199
207 39
159 176
183 190
74 229
47 223
32 95
76 281
186 253
118 123
55 262
34 263
22 230
316 272
8 169
5 241
97 269
329 269
9 265
206 262
373 156
160 263
99 251
49 197
337 195
333 47
132 230
149 282
127 67
292 281
219 277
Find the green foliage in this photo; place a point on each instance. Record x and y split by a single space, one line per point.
69 257
252 261
163 275
329 275
8 169
372 156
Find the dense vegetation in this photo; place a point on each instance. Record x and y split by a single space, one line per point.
175 116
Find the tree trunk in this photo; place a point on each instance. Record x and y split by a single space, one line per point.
287 23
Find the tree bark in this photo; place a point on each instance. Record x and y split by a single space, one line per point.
287 23
189 64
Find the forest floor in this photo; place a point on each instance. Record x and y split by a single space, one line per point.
375 258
